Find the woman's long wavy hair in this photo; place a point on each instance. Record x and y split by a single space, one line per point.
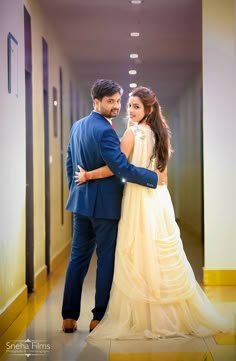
155 119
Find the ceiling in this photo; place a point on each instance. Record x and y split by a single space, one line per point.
95 35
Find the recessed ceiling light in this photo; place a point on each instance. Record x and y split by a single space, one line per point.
133 56
132 85
132 72
134 34
136 2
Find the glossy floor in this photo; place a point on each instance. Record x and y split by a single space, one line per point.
37 334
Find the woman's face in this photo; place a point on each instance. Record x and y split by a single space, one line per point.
135 109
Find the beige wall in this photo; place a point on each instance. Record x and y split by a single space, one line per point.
13 150
12 160
60 233
219 114
185 172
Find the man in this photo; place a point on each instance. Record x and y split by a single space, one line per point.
96 205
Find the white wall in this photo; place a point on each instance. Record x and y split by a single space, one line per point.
12 158
219 115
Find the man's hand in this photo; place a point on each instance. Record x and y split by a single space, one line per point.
162 177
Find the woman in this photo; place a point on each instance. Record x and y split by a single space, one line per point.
154 292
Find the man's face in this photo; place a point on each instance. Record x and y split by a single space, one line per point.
109 106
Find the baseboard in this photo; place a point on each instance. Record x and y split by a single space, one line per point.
13 310
60 257
40 278
9 315
219 277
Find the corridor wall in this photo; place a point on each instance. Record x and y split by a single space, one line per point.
13 288
219 129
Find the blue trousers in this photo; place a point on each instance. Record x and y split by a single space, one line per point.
90 234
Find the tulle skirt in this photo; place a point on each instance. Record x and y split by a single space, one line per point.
154 292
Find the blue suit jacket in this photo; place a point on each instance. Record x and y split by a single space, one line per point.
94 143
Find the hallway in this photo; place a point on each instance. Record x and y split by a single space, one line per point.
51 53
41 321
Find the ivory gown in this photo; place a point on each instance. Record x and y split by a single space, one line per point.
154 292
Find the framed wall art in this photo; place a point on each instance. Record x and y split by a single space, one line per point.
12 53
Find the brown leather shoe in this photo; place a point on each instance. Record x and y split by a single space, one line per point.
69 325
93 324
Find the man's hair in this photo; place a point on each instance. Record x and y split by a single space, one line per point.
103 88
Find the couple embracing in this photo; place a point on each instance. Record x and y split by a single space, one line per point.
145 286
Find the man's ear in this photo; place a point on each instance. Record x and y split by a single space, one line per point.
95 103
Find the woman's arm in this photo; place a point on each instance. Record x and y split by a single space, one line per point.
83 176
126 147
165 180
